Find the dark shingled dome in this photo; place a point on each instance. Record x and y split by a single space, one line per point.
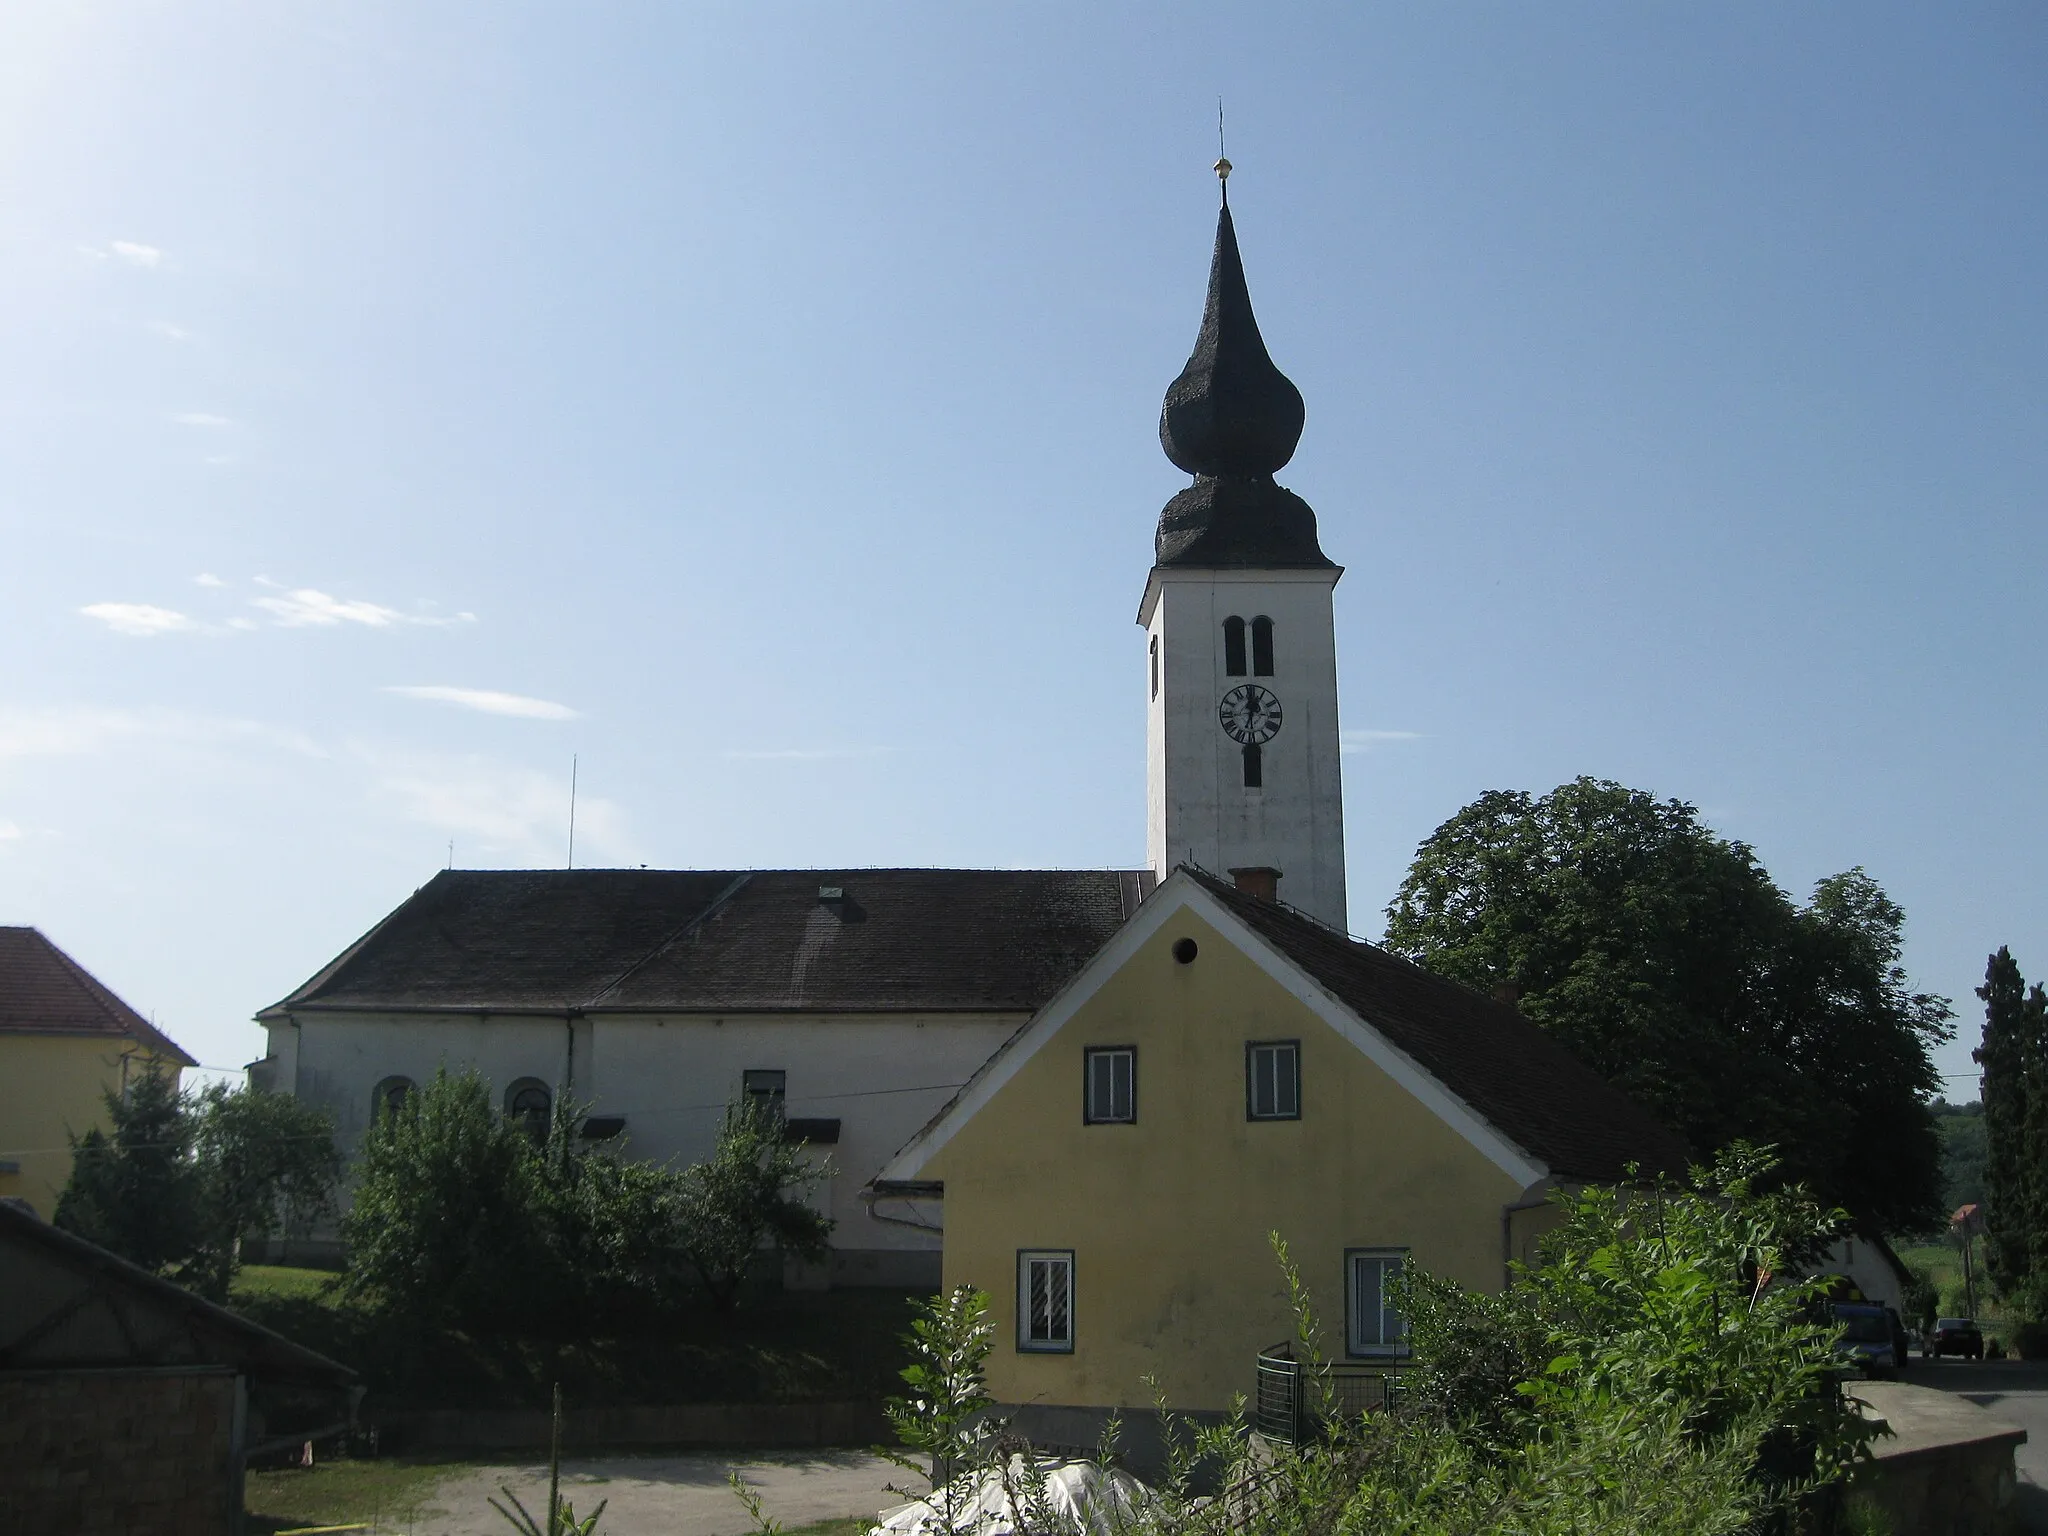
1231 419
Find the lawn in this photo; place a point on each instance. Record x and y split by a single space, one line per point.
776 1347
389 1494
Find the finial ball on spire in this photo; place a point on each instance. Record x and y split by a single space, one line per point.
1222 170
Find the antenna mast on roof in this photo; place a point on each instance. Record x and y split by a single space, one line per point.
572 810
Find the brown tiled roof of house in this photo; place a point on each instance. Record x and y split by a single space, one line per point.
43 991
1518 1078
891 940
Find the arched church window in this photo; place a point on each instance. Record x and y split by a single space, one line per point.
1155 666
1233 646
528 1101
1254 767
1262 647
389 1096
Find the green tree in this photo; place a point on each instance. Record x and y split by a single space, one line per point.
137 1192
1963 1152
748 1193
266 1162
2014 1056
1664 956
446 1228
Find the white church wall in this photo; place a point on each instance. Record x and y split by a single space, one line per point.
881 1076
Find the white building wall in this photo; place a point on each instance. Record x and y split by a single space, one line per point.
1198 808
882 1076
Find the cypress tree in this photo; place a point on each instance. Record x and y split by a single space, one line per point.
2010 1075
136 1192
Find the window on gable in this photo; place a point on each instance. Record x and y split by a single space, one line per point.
765 1088
1373 1324
1262 647
1272 1080
389 1096
529 1102
1110 1086
1233 646
1045 1300
1155 666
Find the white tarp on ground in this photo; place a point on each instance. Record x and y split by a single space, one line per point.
1078 1495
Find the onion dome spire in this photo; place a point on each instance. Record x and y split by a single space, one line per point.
1231 419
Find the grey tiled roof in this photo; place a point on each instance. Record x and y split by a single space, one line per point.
1520 1080
723 940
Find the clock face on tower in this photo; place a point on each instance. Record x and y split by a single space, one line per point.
1249 714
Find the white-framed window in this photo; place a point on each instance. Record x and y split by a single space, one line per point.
1373 1324
1109 1085
1272 1080
1045 1300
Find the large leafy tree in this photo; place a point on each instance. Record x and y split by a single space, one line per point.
747 1194
266 1161
136 1191
1665 957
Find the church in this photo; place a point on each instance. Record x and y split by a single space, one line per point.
860 1002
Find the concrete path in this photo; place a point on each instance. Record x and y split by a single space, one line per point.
2016 1390
676 1495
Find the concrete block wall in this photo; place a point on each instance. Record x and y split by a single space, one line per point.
113 1453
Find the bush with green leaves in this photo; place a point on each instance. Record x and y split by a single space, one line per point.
184 1181
463 1220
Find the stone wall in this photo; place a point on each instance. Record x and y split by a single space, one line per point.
1945 1467
113 1453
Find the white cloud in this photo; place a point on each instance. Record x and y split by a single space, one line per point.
201 419
170 332
137 618
135 254
306 606
800 754
1353 743
9 832
489 702
506 811
207 579
82 730
241 624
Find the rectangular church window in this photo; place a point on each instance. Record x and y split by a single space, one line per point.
765 1088
1254 767
1262 647
1233 646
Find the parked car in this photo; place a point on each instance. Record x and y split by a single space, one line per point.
1954 1336
1866 1339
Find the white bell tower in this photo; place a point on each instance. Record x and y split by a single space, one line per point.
1243 761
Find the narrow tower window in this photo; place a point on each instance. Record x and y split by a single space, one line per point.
1155 666
1254 768
1262 647
1233 646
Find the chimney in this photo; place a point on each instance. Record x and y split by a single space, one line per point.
1260 881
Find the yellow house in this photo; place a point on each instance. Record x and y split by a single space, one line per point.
65 1040
1225 1068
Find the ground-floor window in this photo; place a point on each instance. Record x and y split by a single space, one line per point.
1373 1324
1045 1300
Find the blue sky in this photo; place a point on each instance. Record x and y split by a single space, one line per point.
758 402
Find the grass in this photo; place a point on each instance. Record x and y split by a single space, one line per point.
392 1492
852 1526
776 1347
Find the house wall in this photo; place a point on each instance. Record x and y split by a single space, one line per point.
882 1076
1168 1218
51 1088
115 1452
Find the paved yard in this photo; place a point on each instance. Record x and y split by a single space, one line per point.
2016 1390
678 1495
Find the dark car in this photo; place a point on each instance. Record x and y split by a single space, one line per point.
1954 1336
1866 1339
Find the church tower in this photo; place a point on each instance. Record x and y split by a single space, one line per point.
1243 767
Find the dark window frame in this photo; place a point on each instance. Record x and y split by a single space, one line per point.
1400 1349
1251 1084
1262 646
1233 647
520 1086
1254 766
1155 666
1026 1345
382 1096
776 1097
1089 1055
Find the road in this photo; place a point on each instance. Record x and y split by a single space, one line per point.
2015 1390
